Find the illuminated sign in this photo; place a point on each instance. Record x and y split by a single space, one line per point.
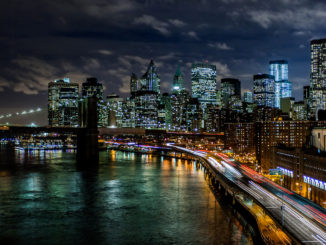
286 172
314 182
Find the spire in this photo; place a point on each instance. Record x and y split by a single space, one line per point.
151 79
178 82
178 72
149 68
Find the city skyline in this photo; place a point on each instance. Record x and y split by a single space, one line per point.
119 118
111 40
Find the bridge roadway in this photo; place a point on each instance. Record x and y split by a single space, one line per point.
299 217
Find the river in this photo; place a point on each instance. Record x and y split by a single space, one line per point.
129 199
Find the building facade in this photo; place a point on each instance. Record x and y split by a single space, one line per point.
303 171
63 97
133 84
230 92
248 97
283 87
114 107
92 88
317 76
178 81
203 83
146 109
264 90
150 81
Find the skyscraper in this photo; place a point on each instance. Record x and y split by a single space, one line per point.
145 97
63 103
179 99
317 76
150 81
306 92
178 81
133 83
248 97
264 90
283 87
92 88
231 92
114 106
146 109
203 83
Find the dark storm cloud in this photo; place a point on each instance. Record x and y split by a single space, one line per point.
42 40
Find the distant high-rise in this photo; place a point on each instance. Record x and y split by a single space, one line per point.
299 111
306 92
146 109
179 103
283 87
230 91
203 83
114 107
92 88
145 97
150 81
63 103
178 81
133 83
317 76
264 90
248 97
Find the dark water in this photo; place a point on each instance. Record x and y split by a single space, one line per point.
129 199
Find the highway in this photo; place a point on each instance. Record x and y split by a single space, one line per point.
300 217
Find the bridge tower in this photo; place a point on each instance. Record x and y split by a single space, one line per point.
87 138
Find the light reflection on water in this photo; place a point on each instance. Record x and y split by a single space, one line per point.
130 199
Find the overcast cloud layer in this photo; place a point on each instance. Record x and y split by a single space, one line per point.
42 40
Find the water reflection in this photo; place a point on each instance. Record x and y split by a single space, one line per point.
130 198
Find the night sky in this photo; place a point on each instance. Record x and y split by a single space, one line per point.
42 40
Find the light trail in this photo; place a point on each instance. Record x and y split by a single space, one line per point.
300 218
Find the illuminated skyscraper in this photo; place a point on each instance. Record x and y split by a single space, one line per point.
114 105
145 98
133 83
264 90
248 97
146 109
178 100
283 87
231 92
317 76
203 83
63 103
150 81
178 81
92 88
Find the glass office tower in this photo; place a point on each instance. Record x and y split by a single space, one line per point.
230 91
248 97
178 81
63 99
317 76
203 83
264 90
283 87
